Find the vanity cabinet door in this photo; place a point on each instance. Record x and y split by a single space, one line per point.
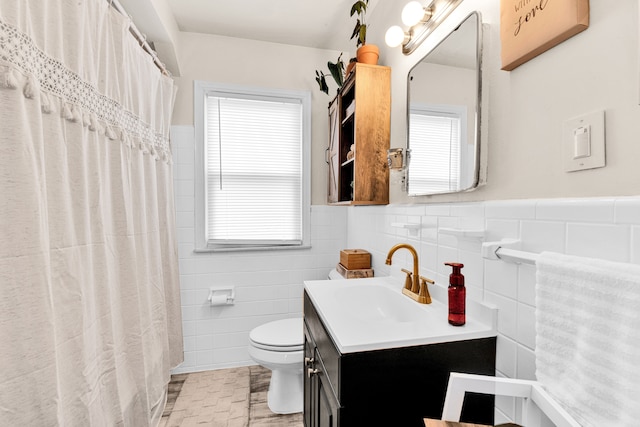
308 381
321 407
327 415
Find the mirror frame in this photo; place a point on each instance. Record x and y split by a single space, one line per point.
478 113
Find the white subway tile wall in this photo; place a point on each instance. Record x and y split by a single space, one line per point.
268 284
607 228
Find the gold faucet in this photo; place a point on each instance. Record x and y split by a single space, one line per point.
415 289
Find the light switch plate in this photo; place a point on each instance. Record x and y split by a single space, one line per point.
582 142
595 123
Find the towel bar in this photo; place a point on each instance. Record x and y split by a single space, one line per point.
512 255
502 250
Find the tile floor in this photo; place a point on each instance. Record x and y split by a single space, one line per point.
235 397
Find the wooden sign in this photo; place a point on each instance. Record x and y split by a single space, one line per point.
530 27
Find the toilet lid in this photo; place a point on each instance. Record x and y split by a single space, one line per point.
280 335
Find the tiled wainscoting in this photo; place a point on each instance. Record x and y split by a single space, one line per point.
268 287
268 284
606 228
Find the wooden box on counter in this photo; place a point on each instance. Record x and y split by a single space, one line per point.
355 259
354 274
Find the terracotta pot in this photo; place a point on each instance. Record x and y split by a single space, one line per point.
368 54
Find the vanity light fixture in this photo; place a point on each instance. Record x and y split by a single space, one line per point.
413 14
421 20
395 36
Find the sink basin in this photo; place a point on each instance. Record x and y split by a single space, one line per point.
373 314
377 304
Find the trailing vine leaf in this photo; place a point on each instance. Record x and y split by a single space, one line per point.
337 70
362 36
356 29
360 7
322 82
360 29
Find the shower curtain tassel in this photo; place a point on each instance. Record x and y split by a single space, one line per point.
9 79
124 139
109 132
77 114
30 87
66 112
45 103
86 119
93 122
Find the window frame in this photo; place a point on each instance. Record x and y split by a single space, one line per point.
202 90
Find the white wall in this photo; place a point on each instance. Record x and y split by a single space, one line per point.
270 65
524 108
268 284
596 69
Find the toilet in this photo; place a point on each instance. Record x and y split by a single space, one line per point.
278 346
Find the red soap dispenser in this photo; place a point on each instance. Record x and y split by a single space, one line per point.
457 295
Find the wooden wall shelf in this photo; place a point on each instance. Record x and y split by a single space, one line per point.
360 117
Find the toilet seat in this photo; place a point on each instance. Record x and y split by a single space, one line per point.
281 335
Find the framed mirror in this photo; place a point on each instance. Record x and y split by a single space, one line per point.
443 114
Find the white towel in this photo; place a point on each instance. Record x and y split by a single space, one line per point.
588 337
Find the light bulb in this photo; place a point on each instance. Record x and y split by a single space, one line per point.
412 13
394 36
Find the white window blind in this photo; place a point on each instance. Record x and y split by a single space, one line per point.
435 151
255 181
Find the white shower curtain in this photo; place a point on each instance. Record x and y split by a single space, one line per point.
90 319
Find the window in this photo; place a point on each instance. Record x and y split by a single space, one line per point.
437 136
253 155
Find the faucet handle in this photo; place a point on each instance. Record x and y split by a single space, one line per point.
424 291
426 280
407 281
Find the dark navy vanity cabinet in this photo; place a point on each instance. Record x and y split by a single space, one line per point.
388 387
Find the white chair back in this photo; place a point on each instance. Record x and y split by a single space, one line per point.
538 407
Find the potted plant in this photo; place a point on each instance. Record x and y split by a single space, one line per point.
367 53
336 70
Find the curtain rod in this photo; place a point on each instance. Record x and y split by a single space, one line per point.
141 38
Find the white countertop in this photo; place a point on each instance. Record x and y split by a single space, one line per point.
366 314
